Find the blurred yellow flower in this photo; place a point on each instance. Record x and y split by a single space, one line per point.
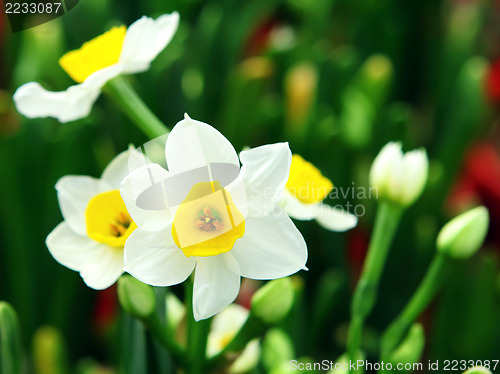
121 50
305 190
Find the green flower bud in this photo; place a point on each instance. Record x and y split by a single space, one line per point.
137 298
10 340
399 177
463 235
341 366
356 118
478 370
273 302
301 83
374 79
277 349
410 350
49 351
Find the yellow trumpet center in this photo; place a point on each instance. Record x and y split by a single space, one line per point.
207 222
94 55
306 182
108 220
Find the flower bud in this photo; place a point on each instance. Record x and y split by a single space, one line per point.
300 89
10 340
277 349
137 298
374 79
49 351
478 370
341 366
463 235
399 177
272 302
410 350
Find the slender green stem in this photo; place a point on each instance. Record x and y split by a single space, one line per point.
365 294
430 285
197 334
133 106
159 331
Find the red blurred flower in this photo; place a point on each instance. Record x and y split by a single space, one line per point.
480 183
258 41
357 246
106 309
493 82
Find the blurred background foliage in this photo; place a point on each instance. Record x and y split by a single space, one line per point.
337 79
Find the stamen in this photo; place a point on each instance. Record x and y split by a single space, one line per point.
208 220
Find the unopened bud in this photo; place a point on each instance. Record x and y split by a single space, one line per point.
273 301
399 177
277 349
10 340
410 350
137 298
463 235
49 351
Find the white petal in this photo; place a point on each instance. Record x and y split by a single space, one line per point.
69 248
271 248
297 209
103 268
33 101
335 218
216 285
143 192
192 145
73 194
122 165
145 39
415 165
153 258
264 173
380 171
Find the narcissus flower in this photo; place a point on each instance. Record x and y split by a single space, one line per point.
96 224
117 51
305 190
399 177
205 212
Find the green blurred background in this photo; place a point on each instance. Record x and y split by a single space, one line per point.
337 79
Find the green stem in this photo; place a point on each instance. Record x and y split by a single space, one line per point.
197 334
133 106
159 331
430 285
365 294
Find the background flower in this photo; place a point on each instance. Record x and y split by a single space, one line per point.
96 224
118 51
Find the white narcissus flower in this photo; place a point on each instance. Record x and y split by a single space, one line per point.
118 51
305 190
96 224
206 213
399 177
